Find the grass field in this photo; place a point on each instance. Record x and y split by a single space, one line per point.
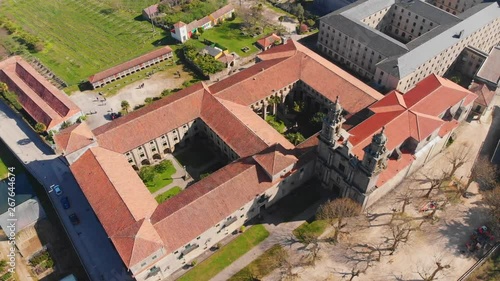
227 255
159 180
311 229
262 266
84 36
229 35
3 170
168 194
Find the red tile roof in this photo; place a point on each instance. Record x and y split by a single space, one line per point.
394 167
275 159
120 181
129 64
204 204
151 10
414 114
232 131
40 99
119 199
268 41
74 137
137 242
151 121
222 11
484 94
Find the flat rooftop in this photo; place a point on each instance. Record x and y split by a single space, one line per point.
490 70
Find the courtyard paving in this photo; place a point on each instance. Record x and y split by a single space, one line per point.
91 101
443 240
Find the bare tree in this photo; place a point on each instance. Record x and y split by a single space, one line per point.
435 182
484 173
404 196
400 233
492 199
426 276
334 211
457 158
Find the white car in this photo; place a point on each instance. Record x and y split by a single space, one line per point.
57 189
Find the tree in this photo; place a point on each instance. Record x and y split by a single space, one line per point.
457 158
295 138
435 182
40 127
3 88
318 118
298 10
148 100
491 199
334 211
404 197
298 106
484 173
65 125
125 105
429 277
400 233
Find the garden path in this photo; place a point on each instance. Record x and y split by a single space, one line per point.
279 233
177 177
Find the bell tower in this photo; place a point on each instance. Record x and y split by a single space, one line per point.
332 124
375 158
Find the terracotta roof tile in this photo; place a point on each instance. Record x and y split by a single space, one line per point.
279 52
268 40
275 159
222 11
74 137
484 94
136 242
232 131
129 64
151 121
207 202
414 114
113 189
41 100
256 124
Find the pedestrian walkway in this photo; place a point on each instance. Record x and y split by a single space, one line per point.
279 234
177 177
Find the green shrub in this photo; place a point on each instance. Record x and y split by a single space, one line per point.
6 276
40 127
147 173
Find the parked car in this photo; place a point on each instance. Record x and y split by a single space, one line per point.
57 189
74 219
65 202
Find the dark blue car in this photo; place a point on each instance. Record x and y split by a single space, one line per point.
65 202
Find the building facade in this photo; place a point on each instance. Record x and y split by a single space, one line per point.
398 43
154 240
404 132
122 70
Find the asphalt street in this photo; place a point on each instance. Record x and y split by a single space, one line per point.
95 250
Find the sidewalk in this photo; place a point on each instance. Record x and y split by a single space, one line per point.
278 235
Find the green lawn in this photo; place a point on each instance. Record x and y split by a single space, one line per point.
168 194
227 255
157 180
312 229
229 35
3 170
262 266
84 36
276 123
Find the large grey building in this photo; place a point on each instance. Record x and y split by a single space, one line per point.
397 43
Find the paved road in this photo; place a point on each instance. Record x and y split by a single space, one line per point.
94 248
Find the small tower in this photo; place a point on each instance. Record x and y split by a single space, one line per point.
332 124
375 158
